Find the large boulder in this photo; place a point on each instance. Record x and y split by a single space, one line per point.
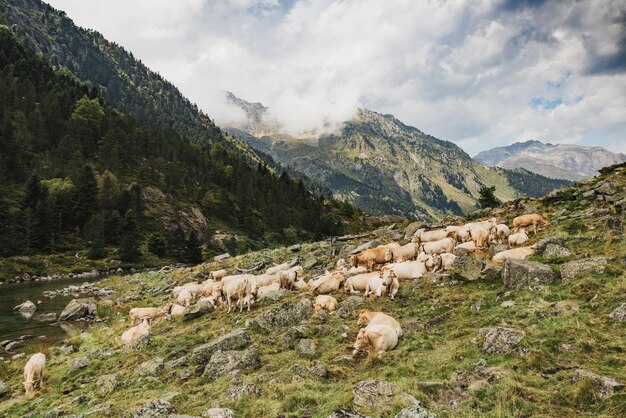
619 313
415 411
553 251
234 340
500 340
286 315
605 187
152 367
410 230
198 309
27 308
79 309
541 245
378 395
5 389
306 348
603 386
156 409
518 274
366 246
349 306
224 362
467 266
293 334
578 268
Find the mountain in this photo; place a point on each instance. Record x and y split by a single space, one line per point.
561 161
382 165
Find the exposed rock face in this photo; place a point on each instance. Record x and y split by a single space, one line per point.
604 386
236 393
619 313
234 340
490 273
467 266
152 367
500 340
224 362
289 337
415 411
283 316
577 268
156 409
79 309
519 274
27 308
366 246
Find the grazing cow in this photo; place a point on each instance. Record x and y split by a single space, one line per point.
217 274
369 317
499 234
378 255
33 372
239 287
516 253
267 279
376 339
469 246
287 278
533 219
445 245
326 303
433 262
479 234
519 238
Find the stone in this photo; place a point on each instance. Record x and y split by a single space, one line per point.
376 395
619 313
142 342
79 309
5 389
235 340
170 396
12 346
107 383
295 248
615 225
556 251
18 356
218 413
467 266
415 411
221 257
79 364
604 386
500 340
497 248
224 362
236 393
543 243
306 348
410 230
518 274
578 268
507 304
47 317
156 409
289 337
345 413
152 367
27 308
366 246
605 187
66 350
349 306
198 309
274 295
176 363
286 315
490 273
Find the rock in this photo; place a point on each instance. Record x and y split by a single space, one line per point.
318 369
415 411
170 396
409 231
152 367
577 268
283 316
66 350
543 243
224 362
274 295
345 413
603 386
490 273
18 356
495 249
605 187
349 307
615 225
236 393
156 409
500 340
467 266
218 413
79 309
27 308
295 248
5 389
376 395
179 362
289 337
79 363
107 383
221 257
507 304
366 246
198 309
47 317
306 348
12 346
518 274
619 313
556 251
141 342
235 340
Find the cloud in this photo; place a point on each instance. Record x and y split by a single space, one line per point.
481 74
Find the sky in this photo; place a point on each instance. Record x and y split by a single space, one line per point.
481 73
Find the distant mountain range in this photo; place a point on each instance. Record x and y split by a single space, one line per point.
561 161
386 167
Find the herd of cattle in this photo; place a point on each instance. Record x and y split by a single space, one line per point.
428 251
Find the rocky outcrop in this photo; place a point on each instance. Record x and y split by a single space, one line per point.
575 269
619 313
350 306
156 409
224 362
198 309
500 340
554 251
286 315
306 348
603 386
79 309
218 413
415 411
5 389
541 245
518 274
79 364
236 393
379 396
234 340
345 413
467 266
152 367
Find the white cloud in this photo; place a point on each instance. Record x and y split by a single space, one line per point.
461 71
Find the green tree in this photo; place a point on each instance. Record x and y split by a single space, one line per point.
176 244
193 249
131 240
487 198
157 244
94 231
85 196
85 123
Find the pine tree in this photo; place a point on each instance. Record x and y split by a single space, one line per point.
193 249
85 196
95 234
157 244
487 198
131 241
176 244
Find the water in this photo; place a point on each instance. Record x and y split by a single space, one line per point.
13 325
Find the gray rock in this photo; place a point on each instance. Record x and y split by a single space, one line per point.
615 225
47 317
619 313
107 383
605 187
176 363
156 409
66 350
409 231
604 386
500 340
283 316
374 395
18 356
170 396
152 367
221 257
79 309
275 295
467 266
79 363
141 342
541 245
318 369
306 348
295 248
349 307
518 274
27 308
236 393
235 340
197 310
224 362
366 246
218 413
495 249
490 273
345 413
5 389
289 337
577 268
12 346
415 411
556 251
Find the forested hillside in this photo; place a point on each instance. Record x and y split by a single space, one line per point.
75 173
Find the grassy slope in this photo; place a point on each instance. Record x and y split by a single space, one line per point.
563 330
